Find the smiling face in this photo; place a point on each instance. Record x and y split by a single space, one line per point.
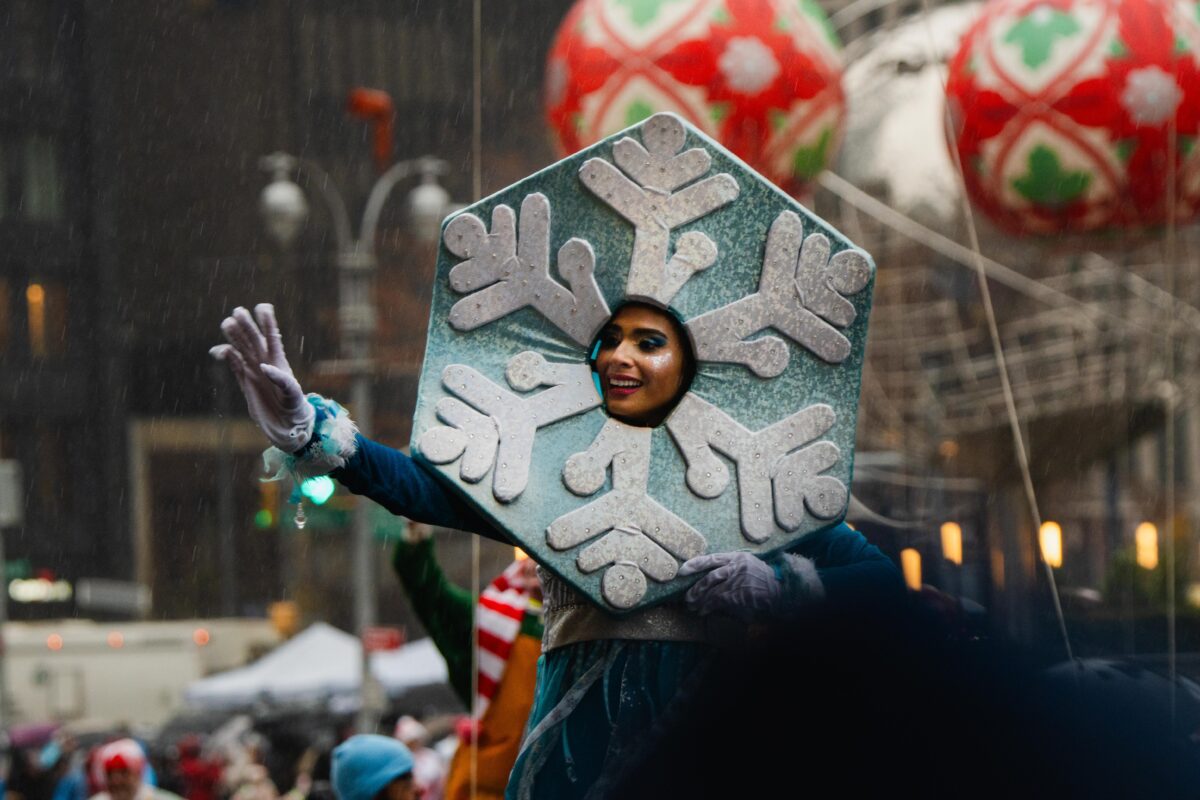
644 364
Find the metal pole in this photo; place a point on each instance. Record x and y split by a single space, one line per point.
356 270
4 720
225 515
356 312
11 514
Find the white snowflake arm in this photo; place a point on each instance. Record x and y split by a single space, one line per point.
777 476
643 538
648 199
494 428
801 294
504 271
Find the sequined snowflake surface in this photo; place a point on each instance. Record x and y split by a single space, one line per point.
757 454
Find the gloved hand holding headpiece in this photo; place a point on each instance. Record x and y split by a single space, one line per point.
256 358
744 586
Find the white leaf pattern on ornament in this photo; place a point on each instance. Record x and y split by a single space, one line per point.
748 65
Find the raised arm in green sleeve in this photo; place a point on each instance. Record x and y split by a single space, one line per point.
445 610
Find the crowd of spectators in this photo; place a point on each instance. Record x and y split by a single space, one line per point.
236 761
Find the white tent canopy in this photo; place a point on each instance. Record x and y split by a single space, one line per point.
319 664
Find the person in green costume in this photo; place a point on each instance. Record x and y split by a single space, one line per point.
510 620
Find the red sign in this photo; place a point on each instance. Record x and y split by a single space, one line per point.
378 639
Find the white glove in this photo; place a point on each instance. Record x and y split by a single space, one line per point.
273 395
740 584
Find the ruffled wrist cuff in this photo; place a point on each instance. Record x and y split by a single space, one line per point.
802 585
334 442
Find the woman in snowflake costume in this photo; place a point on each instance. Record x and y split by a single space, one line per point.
639 594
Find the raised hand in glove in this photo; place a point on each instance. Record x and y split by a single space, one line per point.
273 396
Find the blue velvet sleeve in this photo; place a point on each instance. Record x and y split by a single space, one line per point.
404 487
853 571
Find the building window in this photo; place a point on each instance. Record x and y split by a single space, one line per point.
30 33
46 312
32 178
42 193
4 178
5 316
53 490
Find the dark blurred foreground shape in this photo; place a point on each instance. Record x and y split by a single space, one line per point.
852 706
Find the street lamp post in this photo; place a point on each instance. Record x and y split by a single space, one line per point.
284 209
12 512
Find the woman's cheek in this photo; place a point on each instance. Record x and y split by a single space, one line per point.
662 363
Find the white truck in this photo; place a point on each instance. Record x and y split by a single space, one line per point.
121 672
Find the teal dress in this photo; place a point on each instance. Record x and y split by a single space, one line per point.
600 702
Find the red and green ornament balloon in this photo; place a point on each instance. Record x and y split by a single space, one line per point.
763 77
1076 115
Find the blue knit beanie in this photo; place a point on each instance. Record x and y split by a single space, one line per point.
364 764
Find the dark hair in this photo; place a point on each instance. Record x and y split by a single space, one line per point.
689 354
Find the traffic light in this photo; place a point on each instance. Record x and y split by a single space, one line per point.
268 504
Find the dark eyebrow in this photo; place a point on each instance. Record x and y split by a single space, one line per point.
615 328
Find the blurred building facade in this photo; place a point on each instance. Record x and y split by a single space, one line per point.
129 140
1099 334
52 362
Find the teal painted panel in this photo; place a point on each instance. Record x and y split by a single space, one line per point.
794 480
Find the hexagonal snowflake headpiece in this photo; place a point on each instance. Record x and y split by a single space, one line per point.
757 454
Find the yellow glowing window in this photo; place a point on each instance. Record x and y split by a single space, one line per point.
952 545
46 312
1050 538
1146 545
910 565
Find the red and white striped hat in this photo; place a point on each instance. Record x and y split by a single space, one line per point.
123 754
